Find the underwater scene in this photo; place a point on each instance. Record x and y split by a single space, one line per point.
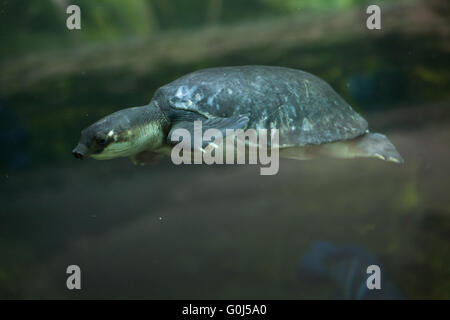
355 204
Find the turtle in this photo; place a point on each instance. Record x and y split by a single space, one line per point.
312 119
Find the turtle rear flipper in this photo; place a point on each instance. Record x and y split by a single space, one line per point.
369 145
375 145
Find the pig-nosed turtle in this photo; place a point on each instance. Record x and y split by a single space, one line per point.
313 120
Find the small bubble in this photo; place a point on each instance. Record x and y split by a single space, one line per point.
160 218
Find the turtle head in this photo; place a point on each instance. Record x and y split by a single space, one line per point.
121 134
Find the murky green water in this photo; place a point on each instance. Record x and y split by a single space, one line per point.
166 231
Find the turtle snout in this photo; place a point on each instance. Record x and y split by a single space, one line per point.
80 151
77 155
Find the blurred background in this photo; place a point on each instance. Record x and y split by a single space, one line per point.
221 232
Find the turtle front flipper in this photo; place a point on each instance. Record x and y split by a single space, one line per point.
145 157
223 126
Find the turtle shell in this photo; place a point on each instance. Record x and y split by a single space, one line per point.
305 109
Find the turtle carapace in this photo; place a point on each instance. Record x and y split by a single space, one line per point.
312 119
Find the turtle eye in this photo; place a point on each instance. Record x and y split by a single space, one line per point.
101 141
